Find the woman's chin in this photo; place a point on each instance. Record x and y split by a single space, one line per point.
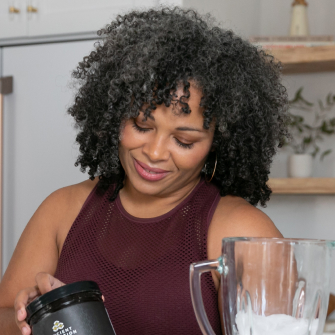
149 187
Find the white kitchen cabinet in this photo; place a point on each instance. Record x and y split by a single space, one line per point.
58 17
13 19
77 16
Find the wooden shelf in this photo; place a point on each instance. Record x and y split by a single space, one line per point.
302 185
306 59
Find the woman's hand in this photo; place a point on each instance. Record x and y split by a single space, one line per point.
44 284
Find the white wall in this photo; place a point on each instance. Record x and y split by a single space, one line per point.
241 16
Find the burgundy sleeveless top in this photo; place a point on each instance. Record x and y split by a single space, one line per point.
142 265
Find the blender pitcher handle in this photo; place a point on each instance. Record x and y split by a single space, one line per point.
196 269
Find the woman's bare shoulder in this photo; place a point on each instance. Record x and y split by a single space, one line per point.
234 216
73 195
62 205
65 205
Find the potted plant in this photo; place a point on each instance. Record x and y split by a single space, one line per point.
309 124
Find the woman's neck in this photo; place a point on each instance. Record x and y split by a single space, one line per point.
148 206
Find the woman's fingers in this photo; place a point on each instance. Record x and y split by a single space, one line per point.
23 298
46 282
26 330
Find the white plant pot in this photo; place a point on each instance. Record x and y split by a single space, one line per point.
300 165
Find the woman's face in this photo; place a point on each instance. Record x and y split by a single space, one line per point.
166 153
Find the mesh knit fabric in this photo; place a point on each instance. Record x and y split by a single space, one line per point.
142 265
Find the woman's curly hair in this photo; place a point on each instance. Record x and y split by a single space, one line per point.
143 57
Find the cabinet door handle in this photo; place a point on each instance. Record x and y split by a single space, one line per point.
13 10
31 9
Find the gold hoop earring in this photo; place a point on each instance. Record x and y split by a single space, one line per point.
216 160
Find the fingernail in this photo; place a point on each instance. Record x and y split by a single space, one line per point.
25 330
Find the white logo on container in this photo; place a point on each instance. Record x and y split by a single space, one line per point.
60 329
57 325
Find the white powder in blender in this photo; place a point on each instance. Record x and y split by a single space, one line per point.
275 324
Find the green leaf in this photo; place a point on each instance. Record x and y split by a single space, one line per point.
324 128
297 96
315 152
308 140
325 153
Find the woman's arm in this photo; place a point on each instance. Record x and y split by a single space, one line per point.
7 322
38 250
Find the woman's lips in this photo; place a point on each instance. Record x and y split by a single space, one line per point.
148 173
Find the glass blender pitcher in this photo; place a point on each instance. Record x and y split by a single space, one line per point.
269 286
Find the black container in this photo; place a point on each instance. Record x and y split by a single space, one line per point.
75 308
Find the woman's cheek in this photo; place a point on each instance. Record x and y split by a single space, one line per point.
130 138
191 158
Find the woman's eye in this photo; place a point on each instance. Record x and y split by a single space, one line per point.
184 145
144 130
138 128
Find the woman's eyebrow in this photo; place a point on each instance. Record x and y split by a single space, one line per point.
188 129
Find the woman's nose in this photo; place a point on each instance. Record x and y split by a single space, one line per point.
156 148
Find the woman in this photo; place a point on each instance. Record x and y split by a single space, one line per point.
179 121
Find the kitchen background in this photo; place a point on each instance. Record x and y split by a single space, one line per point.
40 49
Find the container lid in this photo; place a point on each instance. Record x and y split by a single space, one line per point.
59 293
